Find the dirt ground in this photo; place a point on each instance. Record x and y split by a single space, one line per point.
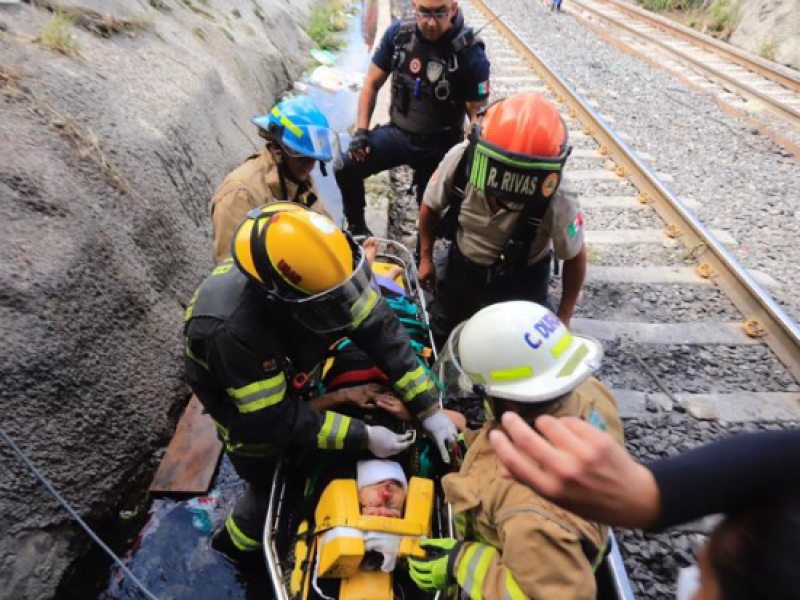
108 157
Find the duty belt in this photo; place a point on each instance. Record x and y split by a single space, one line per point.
429 139
497 269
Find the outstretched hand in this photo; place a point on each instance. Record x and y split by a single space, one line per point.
363 396
579 467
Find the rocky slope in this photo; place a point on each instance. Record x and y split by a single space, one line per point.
109 152
770 28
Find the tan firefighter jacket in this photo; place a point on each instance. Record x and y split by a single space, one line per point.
255 182
521 545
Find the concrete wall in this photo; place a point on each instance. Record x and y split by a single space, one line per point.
107 162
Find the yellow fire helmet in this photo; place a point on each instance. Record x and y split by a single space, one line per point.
301 258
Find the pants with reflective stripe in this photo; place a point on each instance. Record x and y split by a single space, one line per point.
245 523
462 290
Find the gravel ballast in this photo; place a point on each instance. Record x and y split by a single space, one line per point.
745 183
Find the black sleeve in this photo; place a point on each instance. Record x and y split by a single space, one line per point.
727 475
266 410
475 83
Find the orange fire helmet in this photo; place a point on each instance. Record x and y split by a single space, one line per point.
519 146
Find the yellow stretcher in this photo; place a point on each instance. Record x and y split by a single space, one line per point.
329 556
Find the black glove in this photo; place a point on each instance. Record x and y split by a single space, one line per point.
360 140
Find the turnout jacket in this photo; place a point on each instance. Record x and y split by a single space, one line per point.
255 182
253 366
520 545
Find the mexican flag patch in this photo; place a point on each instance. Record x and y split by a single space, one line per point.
576 226
483 88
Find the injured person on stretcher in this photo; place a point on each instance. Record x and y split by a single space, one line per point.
347 521
382 488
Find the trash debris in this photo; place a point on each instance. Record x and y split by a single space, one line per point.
125 515
300 87
201 508
334 80
324 57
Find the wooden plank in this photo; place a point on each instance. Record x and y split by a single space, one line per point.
191 459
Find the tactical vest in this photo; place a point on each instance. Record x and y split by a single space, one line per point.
424 98
517 249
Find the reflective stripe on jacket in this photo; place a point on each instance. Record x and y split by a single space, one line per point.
242 351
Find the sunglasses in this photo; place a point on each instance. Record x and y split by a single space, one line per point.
440 14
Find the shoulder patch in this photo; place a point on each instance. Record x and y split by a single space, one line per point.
576 226
597 420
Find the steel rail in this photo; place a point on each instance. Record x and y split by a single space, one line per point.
720 77
774 71
779 331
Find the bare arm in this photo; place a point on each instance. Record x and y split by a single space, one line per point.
373 82
474 107
428 219
572 282
361 395
580 468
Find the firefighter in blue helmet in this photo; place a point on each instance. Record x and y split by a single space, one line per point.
297 136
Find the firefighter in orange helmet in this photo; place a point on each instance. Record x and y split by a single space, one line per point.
509 211
256 334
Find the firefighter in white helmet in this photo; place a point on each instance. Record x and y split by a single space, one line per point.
513 543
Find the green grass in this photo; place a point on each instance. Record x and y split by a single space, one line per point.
326 20
59 35
197 10
725 16
228 35
715 17
236 13
768 49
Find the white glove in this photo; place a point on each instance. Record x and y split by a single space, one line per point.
384 442
441 430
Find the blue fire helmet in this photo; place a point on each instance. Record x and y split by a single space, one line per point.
301 129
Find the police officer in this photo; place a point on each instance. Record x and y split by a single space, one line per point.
513 543
440 74
509 209
297 136
256 334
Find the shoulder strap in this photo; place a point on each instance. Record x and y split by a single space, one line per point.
448 226
515 252
465 40
405 33
403 41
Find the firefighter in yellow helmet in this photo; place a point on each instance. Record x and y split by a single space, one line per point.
257 332
513 543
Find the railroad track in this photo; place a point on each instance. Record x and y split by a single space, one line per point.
696 347
739 80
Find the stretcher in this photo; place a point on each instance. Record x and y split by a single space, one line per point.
318 545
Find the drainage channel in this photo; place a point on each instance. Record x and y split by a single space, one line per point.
165 542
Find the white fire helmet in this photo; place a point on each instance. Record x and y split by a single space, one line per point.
516 350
